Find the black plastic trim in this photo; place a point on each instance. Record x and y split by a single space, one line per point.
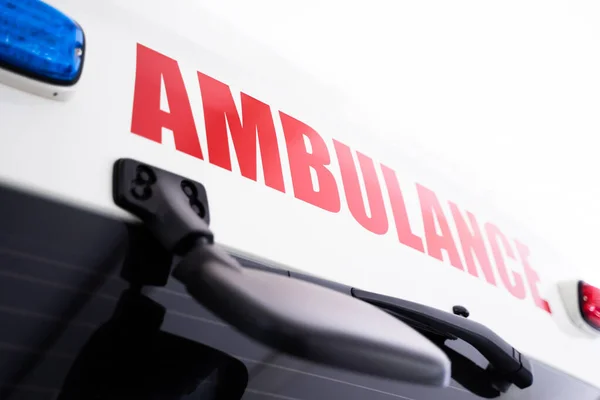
174 209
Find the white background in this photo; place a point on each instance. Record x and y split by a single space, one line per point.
509 93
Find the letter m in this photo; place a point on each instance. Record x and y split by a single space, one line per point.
254 125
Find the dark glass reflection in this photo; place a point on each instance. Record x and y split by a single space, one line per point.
129 357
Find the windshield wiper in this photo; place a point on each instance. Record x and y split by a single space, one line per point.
506 364
293 316
303 316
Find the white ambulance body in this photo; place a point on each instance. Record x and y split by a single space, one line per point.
296 181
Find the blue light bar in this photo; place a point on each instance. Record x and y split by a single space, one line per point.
40 42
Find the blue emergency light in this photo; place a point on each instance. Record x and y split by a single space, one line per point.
40 42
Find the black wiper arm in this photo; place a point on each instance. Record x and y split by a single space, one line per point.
310 321
296 317
469 374
505 361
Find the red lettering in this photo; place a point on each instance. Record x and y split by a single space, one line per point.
252 129
431 211
472 243
495 236
302 163
257 123
403 229
531 277
377 222
148 119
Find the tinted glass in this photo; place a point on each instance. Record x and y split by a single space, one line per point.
70 328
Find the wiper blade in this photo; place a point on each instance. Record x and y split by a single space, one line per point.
506 363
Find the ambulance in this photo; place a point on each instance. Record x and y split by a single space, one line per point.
184 214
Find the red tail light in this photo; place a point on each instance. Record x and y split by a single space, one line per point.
589 304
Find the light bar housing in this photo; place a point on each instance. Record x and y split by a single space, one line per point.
582 304
40 42
589 304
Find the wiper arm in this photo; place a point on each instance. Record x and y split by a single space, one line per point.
506 363
300 316
466 372
294 316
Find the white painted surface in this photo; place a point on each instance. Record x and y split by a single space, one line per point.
66 150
